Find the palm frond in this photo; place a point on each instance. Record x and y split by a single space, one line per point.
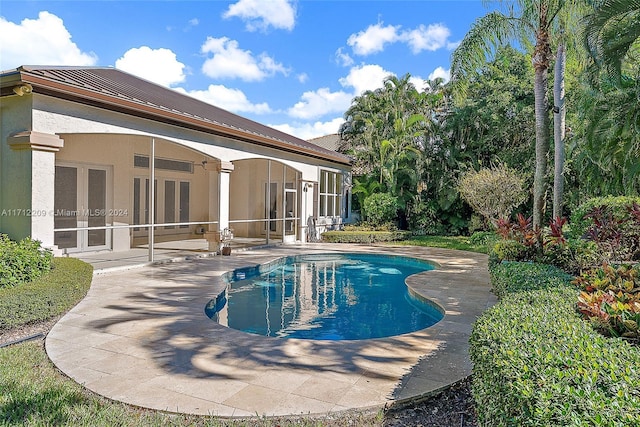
609 32
479 45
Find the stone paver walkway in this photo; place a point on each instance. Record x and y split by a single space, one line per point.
141 337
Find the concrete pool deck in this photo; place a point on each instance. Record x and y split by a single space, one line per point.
140 336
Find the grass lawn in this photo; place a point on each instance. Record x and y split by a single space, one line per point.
462 243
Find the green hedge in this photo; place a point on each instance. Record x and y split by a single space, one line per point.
22 261
380 208
364 236
511 276
537 363
46 297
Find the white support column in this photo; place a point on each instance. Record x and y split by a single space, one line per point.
152 197
33 186
225 169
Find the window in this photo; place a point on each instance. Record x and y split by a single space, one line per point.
142 161
330 203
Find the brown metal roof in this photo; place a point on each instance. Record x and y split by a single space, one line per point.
330 142
116 90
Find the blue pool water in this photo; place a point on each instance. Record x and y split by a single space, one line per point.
326 297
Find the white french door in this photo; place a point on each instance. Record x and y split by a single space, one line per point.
82 200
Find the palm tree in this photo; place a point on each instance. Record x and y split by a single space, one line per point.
383 127
610 31
535 26
559 126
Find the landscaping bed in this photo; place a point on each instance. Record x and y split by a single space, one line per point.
537 362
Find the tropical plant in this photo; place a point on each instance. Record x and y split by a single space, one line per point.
363 187
494 123
381 208
535 24
610 297
373 118
389 132
606 153
606 157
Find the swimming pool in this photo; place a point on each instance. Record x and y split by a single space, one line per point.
326 297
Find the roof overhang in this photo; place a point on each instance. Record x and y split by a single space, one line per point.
10 81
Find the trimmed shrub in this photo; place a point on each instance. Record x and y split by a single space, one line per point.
493 193
365 237
46 297
381 208
510 250
508 277
572 257
536 363
22 261
483 238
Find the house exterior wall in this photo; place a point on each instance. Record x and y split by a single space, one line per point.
81 134
248 190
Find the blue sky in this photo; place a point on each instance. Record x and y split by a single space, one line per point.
292 65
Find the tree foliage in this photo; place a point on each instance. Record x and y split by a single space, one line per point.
534 23
494 123
381 208
415 144
605 154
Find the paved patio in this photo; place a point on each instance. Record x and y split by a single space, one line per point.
141 337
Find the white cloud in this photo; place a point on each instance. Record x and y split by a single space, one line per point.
432 38
308 131
157 65
453 45
343 58
302 77
44 40
319 103
229 61
373 39
440 72
365 77
418 82
260 14
233 100
270 66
